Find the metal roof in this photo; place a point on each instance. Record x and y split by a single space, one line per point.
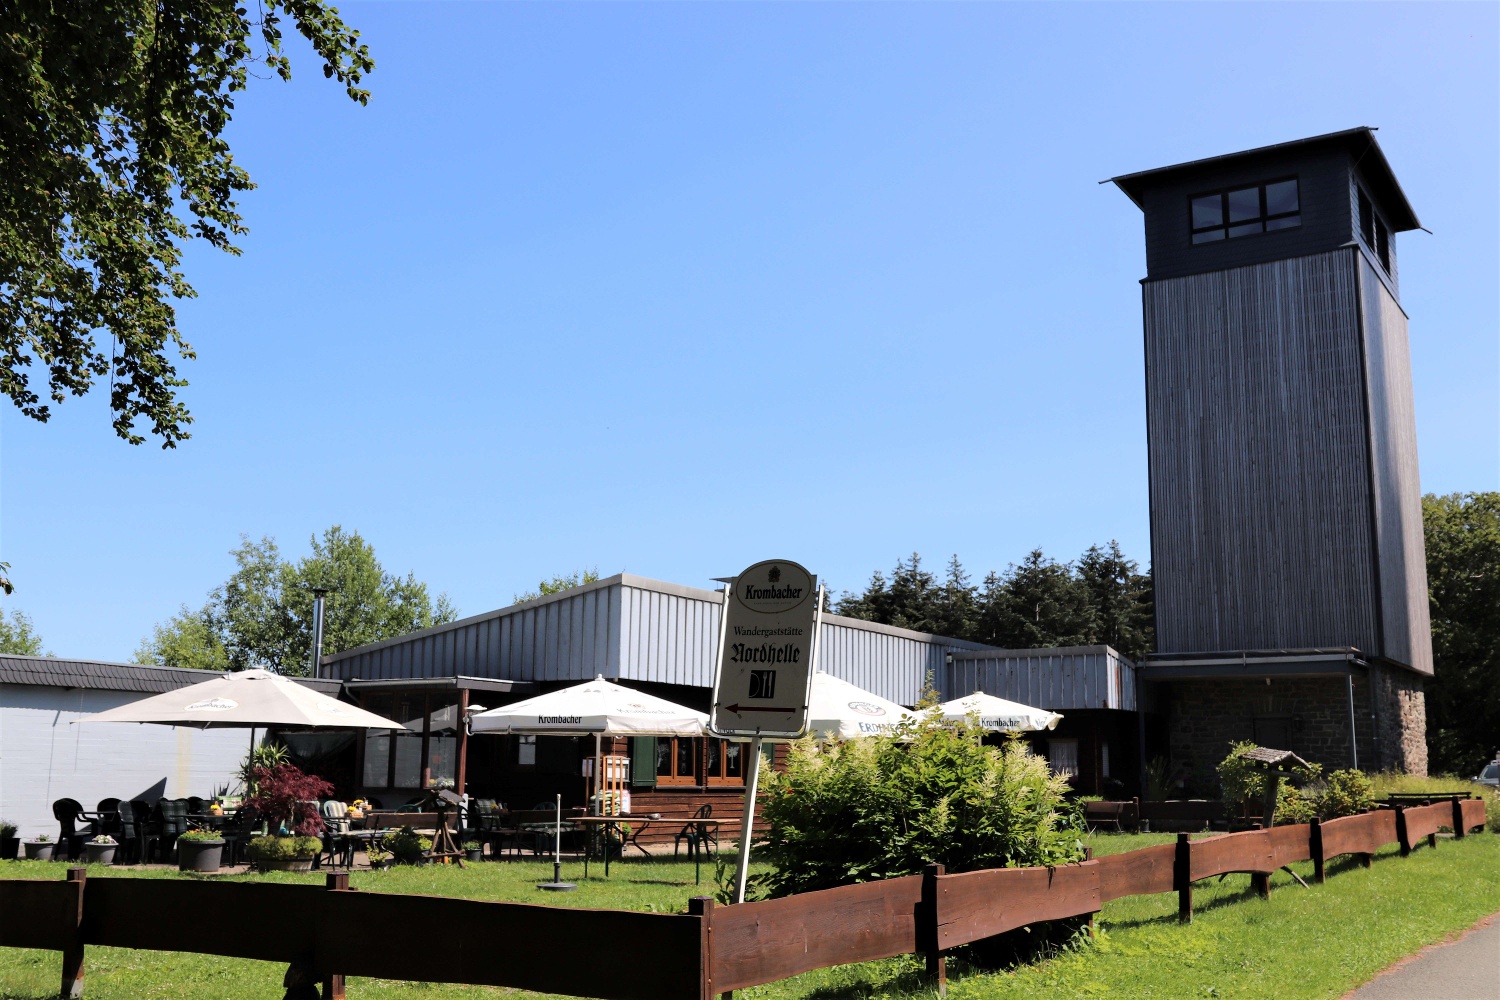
1360 142
631 628
49 671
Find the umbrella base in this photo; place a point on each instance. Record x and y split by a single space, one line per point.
558 886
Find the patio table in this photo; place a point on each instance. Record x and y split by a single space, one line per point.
638 826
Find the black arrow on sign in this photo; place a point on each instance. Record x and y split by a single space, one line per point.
741 709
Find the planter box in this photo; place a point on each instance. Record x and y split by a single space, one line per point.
9 848
199 855
38 850
293 865
101 854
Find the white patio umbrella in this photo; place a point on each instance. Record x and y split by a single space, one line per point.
840 710
598 708
245 699
1000 715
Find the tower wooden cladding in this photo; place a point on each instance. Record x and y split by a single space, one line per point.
1285 502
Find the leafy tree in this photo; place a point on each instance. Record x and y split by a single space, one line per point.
558 584
112 116
18 636
262 615
1121 597
1463 582
187 639
914 599
1037 603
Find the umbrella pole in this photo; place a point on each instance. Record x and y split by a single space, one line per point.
742 870
557 884
598 777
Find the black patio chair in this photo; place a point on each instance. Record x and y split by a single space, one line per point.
142 812
697 837
69 815
127 832
197 804
173 815
237 831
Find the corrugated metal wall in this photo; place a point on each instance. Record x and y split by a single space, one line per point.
1075 677
669 637
1405 621
636 629
573 636
1260 505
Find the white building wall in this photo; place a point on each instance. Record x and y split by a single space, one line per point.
43 758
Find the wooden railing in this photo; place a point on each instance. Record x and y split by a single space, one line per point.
326 933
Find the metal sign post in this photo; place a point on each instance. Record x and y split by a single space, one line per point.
763 678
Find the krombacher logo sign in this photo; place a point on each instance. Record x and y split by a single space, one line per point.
772 593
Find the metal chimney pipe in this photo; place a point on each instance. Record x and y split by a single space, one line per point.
315 667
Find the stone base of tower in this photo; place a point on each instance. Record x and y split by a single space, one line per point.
1195 719
1401 720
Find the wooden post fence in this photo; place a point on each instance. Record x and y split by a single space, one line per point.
696 955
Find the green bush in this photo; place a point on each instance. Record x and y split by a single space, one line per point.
1346 793
199 836
406 845
884 806
1243 784
283 848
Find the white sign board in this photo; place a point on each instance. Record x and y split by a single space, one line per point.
766 652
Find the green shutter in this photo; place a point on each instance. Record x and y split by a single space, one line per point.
643 761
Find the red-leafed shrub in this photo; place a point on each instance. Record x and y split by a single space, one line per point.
285 795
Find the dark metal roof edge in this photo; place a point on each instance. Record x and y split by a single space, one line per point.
997 653
1130 183
455 681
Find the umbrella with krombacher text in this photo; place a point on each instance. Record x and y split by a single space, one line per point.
245 699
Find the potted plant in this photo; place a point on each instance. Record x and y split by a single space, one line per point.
274 853
407 846
101 850
10 844
199 851
39 848
378 856
288 799
474 850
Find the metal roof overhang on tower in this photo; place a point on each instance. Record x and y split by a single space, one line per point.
1253 664
1362 147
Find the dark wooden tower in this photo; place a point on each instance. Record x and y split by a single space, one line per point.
1286 511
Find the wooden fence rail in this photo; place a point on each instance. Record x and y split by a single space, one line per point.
326 933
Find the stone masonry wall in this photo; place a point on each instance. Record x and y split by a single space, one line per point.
1401 714
1205 716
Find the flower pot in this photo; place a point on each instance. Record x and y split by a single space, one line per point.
475 855
9 848
39 850
199 855
290 865
101 854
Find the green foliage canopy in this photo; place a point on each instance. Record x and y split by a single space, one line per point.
1101 598
112 114
558 584
18 636
262 615
1463 584
884 806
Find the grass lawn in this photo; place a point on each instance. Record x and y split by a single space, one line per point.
1301 943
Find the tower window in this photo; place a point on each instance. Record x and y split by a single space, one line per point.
1244 211
1374 232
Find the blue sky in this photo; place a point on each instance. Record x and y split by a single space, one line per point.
673 288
